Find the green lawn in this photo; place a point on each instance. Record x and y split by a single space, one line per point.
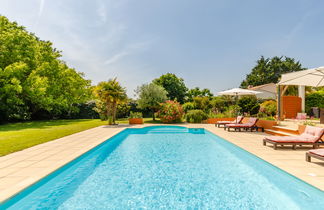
19 136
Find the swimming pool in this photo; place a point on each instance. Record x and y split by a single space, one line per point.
168 167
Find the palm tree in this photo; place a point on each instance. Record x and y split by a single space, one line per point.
111 93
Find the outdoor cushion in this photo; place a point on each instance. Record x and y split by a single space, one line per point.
319 152
250 123
240 125
237 120
312 130
311 134
292 139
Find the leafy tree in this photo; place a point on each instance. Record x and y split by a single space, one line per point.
219 104
269 70
33 79
110 94
314 99
175 87
196 92
249 104
150 96
202 103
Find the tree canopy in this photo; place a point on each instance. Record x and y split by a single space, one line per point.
175 87
269 70
109 94
197 92
33 80
150 96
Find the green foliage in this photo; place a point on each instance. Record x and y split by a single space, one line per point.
188 106
219 104
33 79
123 110
135 115
196 92
202 103
232 111
269 70
175 87
109 95
269 108
196 116
170 111
150 96
249 104
217 115
315 99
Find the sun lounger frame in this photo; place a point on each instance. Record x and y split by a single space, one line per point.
293 144
309 155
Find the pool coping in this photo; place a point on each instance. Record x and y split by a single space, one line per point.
46 158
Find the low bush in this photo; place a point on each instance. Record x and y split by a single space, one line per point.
188 106
315 99
249 105
269 108
133 115
170 111
196 116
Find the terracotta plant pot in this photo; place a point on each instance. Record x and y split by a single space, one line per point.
135 121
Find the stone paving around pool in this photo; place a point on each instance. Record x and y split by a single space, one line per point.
21 169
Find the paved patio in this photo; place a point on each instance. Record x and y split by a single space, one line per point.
21 169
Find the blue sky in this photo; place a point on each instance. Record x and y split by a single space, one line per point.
210 43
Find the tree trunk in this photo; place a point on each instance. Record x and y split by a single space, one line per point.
153 114
114 112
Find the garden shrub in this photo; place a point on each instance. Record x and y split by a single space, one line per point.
232 111
123 110
269 108
249 104
188 106
196 116
170 111
202 103
216 115
133 115
315 99
219 104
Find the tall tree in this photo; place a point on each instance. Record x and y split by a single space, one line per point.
33 79
175 87
150 96
110 94
196 92
269 70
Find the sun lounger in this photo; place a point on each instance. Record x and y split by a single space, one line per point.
237 120
250 125
315 153
311 136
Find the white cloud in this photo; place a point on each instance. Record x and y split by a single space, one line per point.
131 49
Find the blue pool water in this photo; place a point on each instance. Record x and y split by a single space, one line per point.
168 167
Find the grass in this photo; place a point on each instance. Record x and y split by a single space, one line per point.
19 136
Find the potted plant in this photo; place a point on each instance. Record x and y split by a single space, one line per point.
135 118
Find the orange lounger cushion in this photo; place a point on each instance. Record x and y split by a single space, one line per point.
292 139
